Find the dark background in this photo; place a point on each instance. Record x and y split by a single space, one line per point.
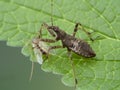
15 70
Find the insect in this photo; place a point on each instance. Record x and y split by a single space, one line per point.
70 42
40 48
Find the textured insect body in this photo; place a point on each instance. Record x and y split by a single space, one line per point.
78 46
81 47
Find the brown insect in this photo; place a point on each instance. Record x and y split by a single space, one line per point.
73 44
70 42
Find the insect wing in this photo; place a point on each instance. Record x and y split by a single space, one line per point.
43 46
38 55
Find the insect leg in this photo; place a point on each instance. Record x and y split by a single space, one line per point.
73 68
46 26
75 29
48 40
36 41
82 28
54 47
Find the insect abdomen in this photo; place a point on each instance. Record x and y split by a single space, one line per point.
82 48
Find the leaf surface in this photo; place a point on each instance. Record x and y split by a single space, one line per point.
20 21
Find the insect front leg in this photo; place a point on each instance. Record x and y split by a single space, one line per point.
54 47
73 68
44 25
82 28
47 40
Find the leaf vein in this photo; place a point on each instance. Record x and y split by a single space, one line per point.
103 17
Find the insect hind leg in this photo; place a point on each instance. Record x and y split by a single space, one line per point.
82 28
73 68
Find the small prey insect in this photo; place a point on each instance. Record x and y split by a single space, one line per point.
40 48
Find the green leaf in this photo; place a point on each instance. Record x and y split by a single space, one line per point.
20 21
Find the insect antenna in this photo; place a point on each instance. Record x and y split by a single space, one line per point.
31 73
51 12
